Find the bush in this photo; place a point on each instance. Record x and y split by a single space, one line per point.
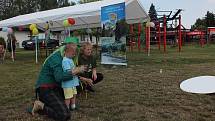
2 41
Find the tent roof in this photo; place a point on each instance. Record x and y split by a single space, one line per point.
86 15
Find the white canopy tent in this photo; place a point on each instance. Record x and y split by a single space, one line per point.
86 15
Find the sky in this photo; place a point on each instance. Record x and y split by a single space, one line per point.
192 9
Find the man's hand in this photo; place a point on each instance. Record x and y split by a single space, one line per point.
86 81
79 69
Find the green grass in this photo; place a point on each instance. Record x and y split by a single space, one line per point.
138 92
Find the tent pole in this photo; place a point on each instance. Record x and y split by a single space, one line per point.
36 49
11 45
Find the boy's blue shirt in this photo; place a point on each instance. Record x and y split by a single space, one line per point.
68 65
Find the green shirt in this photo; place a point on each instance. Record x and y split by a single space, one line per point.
52 72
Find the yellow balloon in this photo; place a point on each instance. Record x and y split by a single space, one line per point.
148 24
35 31
66 23
46 26
33 26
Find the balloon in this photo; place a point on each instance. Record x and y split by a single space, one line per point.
20 28
46 26
66 23
4 29
147 24
32 26
71 21
152 24
35 31
10 30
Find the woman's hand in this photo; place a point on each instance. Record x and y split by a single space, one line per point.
94 75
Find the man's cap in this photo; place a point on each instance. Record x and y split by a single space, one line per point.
71 40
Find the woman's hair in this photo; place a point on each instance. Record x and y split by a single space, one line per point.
84 45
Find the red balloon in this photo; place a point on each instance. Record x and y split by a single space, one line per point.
71 21
20 28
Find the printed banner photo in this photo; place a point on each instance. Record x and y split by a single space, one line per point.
113 34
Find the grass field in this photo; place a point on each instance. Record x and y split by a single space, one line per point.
138 92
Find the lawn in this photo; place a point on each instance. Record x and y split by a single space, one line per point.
138 92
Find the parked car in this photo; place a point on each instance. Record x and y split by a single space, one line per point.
30 44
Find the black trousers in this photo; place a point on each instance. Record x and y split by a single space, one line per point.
54 105
89 75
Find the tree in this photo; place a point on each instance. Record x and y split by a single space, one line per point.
199 24
207 21
153 13
19 7
47 4
64 3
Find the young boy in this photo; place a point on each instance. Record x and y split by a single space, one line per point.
69 87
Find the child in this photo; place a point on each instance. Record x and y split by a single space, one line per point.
69 87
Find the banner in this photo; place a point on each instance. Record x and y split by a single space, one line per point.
114 30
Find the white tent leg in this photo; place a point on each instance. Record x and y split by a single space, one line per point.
36 50
11 45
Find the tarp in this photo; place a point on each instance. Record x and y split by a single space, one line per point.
86 15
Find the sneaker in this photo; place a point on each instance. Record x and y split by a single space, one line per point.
76 108
38 105
89 88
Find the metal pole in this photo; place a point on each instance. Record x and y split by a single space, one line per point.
11 45
158 35
131 37
139 33
180 39
36 49
149 41
164 33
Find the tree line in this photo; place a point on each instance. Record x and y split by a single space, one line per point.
207 21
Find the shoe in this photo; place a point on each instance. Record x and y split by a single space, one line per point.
73 109
38 105
89 88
